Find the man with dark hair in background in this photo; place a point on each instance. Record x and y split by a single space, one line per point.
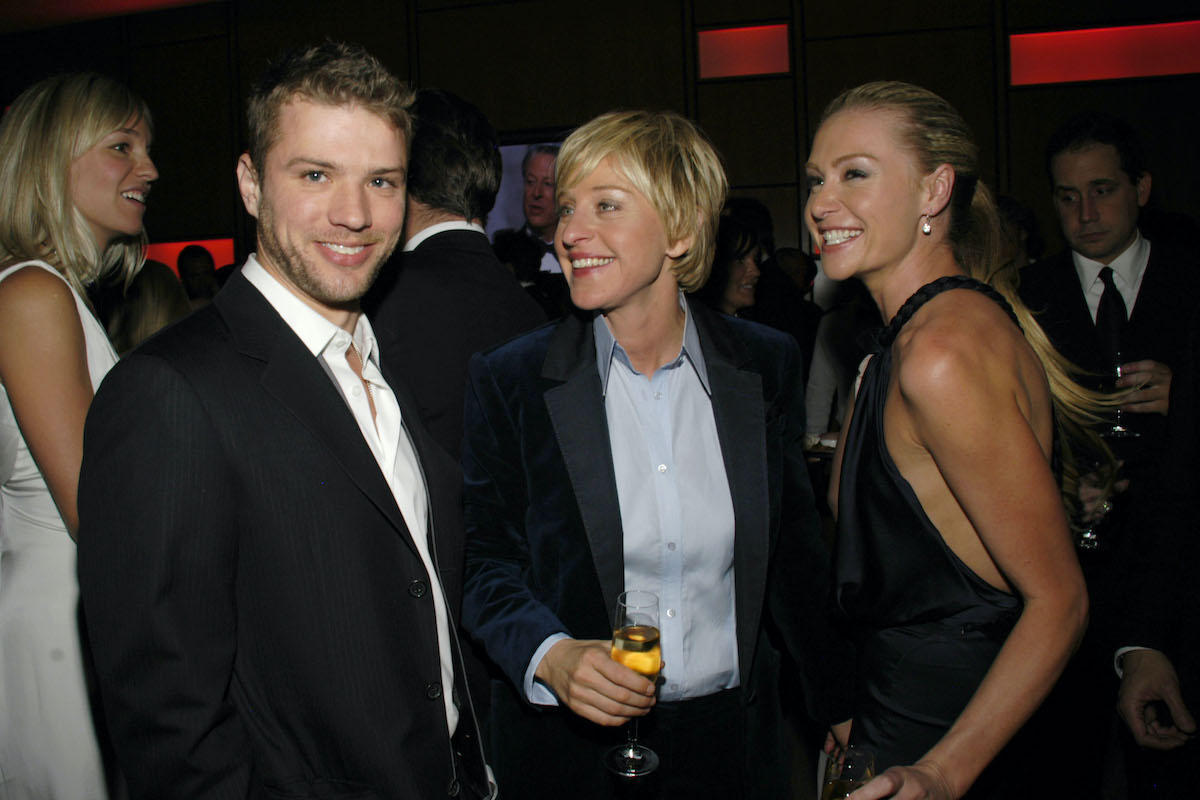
198 274
270 540
446 296
1115 304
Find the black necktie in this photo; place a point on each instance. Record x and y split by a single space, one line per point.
1110 315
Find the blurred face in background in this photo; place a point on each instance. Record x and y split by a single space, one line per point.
538 200
743 279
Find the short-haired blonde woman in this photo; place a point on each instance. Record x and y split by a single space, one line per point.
647 443
75 171
954 555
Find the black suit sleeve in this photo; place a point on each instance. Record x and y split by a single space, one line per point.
799 583
157 561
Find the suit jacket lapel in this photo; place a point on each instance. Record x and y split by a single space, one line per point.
294 378
737 401
576 409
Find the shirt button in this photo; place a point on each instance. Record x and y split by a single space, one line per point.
670 545
658 395
675 686
356 391
417 588
662 467
433 691
670 612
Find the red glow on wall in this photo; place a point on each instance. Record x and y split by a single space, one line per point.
168 252
1100 54
734 52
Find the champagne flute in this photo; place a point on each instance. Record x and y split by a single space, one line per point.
1118 430
635 645
847 769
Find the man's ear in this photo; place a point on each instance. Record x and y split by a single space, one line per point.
248 184
939 185
1143 189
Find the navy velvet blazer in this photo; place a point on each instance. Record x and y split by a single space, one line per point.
261 620
544 540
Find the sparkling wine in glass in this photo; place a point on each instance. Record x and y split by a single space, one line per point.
848 768
635 645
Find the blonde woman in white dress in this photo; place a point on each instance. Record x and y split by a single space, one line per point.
75 172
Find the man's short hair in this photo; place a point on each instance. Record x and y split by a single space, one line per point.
549 149
671 162
333 74
455 164
1098 127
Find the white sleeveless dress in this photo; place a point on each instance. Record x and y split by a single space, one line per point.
48 747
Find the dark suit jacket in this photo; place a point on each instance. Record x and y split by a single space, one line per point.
261 620
1161 604
544 540
434 307
1156 329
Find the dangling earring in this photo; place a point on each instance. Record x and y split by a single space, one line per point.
926 228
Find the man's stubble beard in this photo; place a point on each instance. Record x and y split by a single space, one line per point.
303 273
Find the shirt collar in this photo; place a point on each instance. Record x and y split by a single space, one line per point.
316 332
441 227
607 346
1127 267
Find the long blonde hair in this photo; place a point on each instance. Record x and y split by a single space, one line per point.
48 126
937 134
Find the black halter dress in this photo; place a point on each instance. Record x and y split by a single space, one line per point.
927 627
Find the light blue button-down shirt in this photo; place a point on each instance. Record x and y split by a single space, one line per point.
676 513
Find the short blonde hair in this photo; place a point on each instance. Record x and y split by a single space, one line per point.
671 162
333 74
47 127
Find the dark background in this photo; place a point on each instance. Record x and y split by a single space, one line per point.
538 67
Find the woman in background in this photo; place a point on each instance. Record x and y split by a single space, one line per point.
734 278
75 172
954 555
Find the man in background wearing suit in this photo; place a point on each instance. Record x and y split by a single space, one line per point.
447 296
269 535
1113 301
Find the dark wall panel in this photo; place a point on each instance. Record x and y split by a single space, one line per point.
1094 13
738 14
958 65
825 20
752 123
186 85
549 65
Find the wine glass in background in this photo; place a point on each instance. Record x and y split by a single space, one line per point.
1118 430
635 645
847 769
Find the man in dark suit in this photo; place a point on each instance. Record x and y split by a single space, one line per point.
650 444
1158 628
265 565
446 296
1113 301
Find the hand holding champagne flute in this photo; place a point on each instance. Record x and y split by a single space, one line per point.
635 645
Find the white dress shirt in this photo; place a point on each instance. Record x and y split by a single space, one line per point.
385 434
1128 270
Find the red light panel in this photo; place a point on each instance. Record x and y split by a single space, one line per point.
1100 54
168 252
734 52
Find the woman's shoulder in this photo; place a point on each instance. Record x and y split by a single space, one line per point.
957 338
34 289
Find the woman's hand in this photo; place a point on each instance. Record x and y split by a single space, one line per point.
921 781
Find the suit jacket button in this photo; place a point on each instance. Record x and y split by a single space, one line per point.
418 588
454 788
433 691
